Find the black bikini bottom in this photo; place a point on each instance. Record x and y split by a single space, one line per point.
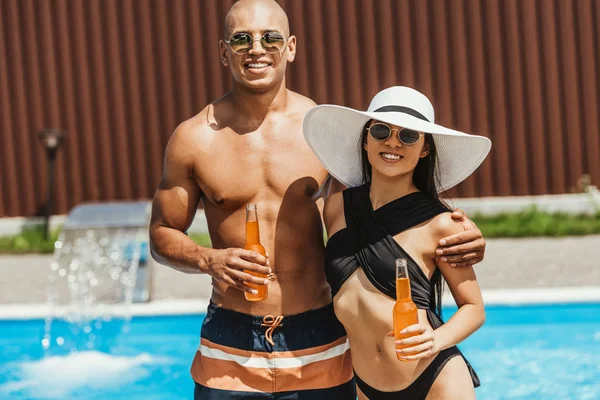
420 387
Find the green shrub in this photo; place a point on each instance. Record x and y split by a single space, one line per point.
528 223
532 222
31 240
202 239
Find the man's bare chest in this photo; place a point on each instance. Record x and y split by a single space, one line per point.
237 174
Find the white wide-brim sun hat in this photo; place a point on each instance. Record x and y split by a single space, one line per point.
334 134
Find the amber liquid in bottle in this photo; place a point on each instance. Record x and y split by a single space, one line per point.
253 243
405 311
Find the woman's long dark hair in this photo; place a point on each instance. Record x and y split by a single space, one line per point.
425 179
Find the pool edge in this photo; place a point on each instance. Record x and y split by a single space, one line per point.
531 296
555 295
156 307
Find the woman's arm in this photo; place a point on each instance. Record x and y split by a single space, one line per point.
333 213
467 294
462 282
464 247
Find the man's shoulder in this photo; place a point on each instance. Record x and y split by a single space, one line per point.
300 102
190 134
201 123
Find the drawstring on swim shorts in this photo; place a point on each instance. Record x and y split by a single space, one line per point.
272 323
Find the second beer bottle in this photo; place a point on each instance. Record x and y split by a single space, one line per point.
253 243
405 310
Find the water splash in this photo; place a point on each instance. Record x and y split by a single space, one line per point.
91 270
60 377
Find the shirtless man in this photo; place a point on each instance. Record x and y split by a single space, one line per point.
248 147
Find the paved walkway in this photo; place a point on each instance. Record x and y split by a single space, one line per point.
509 263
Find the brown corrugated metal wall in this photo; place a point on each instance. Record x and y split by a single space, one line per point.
119 75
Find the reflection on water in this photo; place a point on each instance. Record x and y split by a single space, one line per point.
534 372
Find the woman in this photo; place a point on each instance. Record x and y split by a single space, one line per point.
394 161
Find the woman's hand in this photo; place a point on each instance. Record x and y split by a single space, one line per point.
420 346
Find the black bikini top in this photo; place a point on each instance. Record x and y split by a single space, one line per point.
367 242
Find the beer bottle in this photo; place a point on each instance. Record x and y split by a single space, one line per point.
405 311
253 243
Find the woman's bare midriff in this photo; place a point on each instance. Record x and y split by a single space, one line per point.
373 351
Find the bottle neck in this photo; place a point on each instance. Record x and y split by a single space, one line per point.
252 231
403 289
402 280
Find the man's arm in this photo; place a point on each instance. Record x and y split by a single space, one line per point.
464 248
173 209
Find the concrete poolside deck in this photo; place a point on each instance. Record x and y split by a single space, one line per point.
509 264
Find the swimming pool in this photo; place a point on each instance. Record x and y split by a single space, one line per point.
522 352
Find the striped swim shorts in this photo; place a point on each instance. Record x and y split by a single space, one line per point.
302 356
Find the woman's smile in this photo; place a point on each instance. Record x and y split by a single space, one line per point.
390 157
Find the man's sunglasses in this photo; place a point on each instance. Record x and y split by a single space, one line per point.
380 132
241 43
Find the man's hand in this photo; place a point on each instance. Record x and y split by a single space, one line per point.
228 266
465 248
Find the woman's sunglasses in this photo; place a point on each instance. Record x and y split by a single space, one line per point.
380 132
241 43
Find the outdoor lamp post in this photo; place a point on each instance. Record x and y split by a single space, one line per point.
51 140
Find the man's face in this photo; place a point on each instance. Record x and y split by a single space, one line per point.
257 68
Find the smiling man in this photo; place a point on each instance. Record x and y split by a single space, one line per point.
248 147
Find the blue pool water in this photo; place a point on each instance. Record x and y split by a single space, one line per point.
525 352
